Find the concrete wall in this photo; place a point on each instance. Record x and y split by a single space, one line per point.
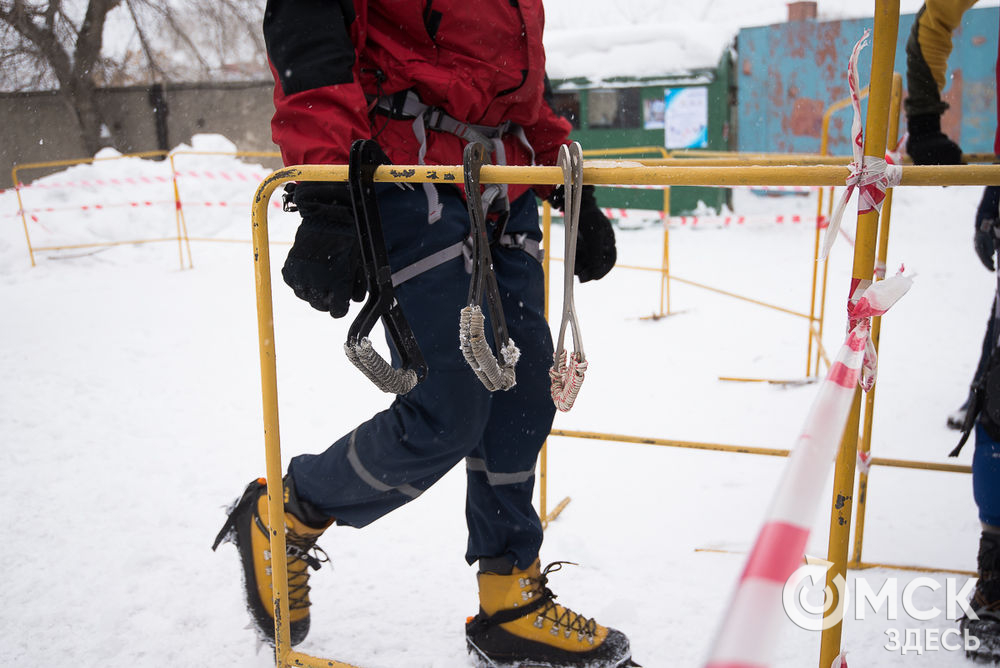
40 127
787 75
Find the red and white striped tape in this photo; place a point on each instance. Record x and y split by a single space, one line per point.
212 175
33 211
750 627
726 221
94 183
765 189
870 176
695 221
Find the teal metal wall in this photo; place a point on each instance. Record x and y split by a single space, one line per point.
787 75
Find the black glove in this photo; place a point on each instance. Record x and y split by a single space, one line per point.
927 145
324 265
987 229
595 239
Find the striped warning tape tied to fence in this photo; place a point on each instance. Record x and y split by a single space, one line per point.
870 176
750 628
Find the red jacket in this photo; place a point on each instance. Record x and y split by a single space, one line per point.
482 61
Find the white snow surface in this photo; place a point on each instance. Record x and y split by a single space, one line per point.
131 411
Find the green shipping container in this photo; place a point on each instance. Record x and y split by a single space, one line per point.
690 109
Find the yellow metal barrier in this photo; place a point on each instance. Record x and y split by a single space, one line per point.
748 450
15 179
657 175
284 655
182 237
883 250
543 455
181 221
876 128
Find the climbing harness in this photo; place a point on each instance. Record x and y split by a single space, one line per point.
365 157
495 375
406 105
568 369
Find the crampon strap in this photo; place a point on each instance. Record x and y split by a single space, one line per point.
494 374
568 369
365 157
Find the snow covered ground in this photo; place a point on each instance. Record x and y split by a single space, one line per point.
130 408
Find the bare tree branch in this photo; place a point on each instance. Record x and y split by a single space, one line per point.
47 44
154 68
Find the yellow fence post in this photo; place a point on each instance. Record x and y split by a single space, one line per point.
543 455
269 395
665 265
883 252
283 653
813 324
179 217
883 55
20 209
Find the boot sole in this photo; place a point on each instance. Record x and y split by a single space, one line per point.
482 660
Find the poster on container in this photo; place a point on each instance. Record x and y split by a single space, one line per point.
686 117
652 114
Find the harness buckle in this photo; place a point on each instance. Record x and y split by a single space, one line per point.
433 117
287 201
515 240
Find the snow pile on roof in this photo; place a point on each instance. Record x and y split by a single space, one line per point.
648 38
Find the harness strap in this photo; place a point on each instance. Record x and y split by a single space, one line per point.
434 207
495 198
518 241
406 105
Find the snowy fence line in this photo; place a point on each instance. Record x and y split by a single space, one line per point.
234 183
136 192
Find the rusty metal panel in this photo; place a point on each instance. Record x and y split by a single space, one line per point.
789 74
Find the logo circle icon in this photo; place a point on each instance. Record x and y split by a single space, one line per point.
807 599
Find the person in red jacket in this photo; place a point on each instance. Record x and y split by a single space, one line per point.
425 78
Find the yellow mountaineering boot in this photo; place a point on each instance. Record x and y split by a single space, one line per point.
520 625
248 527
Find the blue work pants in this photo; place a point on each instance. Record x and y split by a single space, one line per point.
399 453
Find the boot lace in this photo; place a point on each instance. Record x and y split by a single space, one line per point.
303 554
563 619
